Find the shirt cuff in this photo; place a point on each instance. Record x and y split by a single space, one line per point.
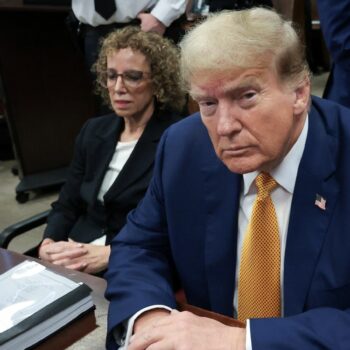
167 11
123 332
248 339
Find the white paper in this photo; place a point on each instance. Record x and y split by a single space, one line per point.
26 289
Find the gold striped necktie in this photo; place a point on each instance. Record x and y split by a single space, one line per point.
259 294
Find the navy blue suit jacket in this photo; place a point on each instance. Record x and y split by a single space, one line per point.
335 25
186 228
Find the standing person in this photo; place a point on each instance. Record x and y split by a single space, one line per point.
248 207
96 22
335 25
92 20
138 74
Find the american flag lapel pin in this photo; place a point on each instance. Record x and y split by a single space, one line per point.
320 202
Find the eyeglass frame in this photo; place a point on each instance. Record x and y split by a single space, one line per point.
126 81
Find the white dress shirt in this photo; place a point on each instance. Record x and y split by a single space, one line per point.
285 175
121 154
166 11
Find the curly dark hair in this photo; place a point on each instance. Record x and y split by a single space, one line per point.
162 56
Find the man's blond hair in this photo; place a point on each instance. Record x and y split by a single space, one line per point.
252 38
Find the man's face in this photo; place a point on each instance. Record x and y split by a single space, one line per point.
253 119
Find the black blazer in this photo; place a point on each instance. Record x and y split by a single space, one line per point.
77 213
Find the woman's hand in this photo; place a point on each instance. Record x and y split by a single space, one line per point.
84 257
62 252
96 258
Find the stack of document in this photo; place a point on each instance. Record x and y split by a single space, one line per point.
36 302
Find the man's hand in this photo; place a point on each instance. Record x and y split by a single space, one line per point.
148 318
184 330
149 23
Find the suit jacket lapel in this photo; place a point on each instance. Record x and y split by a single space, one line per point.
141 158
104 146
222 190
308 223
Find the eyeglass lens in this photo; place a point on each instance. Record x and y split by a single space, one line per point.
130 77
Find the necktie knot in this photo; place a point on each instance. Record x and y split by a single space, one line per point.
265 184
105 8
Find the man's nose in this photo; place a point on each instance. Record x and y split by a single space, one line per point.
228 120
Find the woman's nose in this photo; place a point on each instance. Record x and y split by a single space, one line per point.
119 84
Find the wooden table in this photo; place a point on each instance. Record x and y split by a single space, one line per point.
69 335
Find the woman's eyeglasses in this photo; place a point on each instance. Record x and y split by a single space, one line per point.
131 78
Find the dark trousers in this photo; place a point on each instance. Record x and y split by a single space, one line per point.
90 39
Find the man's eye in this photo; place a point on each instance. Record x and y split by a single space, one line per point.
249 95
248 99
207 107
206 103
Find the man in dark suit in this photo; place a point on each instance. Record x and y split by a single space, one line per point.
261 157
335 25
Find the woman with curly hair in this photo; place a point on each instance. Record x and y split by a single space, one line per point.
138 76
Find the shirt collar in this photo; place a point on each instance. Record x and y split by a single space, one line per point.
286 172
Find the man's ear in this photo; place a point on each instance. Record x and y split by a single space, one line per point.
302 97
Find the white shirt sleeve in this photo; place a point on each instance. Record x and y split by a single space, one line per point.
123 333
167 11
248 339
